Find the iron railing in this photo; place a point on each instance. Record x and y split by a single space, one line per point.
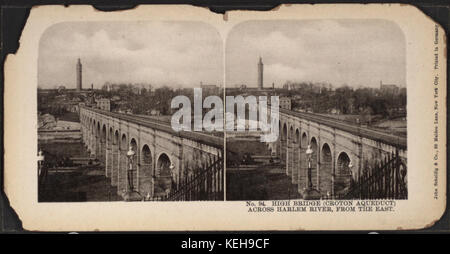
386 180
206 184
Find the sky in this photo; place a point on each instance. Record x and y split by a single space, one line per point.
183 54
177 54
358 53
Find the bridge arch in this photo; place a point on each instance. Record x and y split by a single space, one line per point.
343 173
98 128
284 133
103 136
134 161
122 175
103 133
314 160
314 145
110 135
304 141
163 165
165 182
124 143
146 171
116 138
133 144
326 170
291 134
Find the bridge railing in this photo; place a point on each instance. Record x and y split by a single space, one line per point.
373 134
386 180
207 139
206 184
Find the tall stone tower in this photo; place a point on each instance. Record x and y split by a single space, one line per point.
79 75
260 73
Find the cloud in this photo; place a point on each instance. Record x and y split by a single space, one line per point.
282 73
355 52
184 53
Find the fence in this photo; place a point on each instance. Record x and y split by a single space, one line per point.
206 184
386 180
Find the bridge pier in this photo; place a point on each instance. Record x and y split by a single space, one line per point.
157 153
290 159
83 128
83 133
88 140
91 143
108 159
122 172
295 162
318 173
326 170
303 168
85 136
283 151
94 146
278 149
102 152
145 179
114 164
284 154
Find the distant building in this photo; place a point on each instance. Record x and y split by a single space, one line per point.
46 121
111 87
209 89
292 86
104 104
260 73
154 112
79 75
335 111
285 103
388 88
136 90
61 89
115 98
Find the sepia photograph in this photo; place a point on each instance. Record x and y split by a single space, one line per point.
305 117
342 95
104 112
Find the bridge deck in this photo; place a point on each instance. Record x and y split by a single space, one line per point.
207 139
372 134
218 142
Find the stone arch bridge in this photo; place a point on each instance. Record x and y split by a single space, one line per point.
165 162
341 151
